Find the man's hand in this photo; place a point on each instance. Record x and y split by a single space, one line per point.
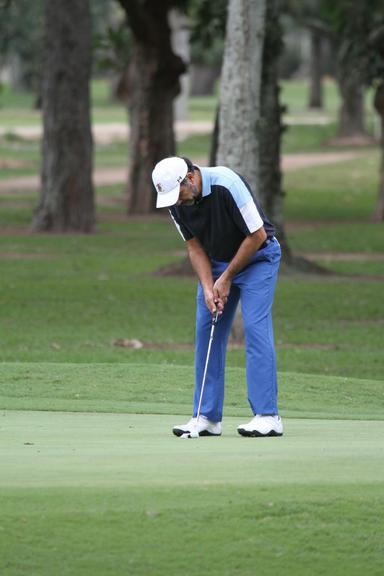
221 289
213 303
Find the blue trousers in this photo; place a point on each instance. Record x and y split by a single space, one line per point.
254 286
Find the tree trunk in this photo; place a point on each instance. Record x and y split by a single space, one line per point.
181 45
240 90
151 129
239 116
214 139
271 193
67 197
351 113
315 86
378 215
351 39
153 84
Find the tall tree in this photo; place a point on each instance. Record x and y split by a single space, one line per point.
375 71
344 24
67 198
315 80
348 23
353 30
153 83
208 20
308 15
271 127
240 89
250 124
20 41
360 28
378 214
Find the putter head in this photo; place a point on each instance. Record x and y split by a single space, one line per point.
191 434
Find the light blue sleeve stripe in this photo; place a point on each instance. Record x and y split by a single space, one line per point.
223 176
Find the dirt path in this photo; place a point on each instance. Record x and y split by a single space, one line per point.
107 132
292 162
113 131
108 176
102 177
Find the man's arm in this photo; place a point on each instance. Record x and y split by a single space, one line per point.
243 256
202 266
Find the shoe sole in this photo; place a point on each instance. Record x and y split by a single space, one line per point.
257 434
178 432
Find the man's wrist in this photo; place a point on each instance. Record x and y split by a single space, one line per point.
228 274
207 286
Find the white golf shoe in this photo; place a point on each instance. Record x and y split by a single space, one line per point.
262 426
203 427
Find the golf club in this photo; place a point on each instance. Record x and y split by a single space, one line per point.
195 432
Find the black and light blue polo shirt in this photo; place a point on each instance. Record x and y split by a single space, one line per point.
224 216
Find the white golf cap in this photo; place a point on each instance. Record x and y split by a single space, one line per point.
166 177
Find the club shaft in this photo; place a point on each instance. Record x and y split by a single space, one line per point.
205 372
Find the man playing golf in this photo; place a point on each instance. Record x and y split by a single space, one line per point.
235 255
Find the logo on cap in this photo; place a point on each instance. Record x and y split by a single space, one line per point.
159 187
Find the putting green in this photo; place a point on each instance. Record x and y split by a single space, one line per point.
90 449
90 494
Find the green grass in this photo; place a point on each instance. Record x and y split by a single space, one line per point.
22 157
339 237
111 155
295 95
196 147
203 108
95 494
130 388
360 267
17 108
340 192
298 138
175 530
68 298
21 100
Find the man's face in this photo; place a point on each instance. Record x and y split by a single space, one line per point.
188 191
